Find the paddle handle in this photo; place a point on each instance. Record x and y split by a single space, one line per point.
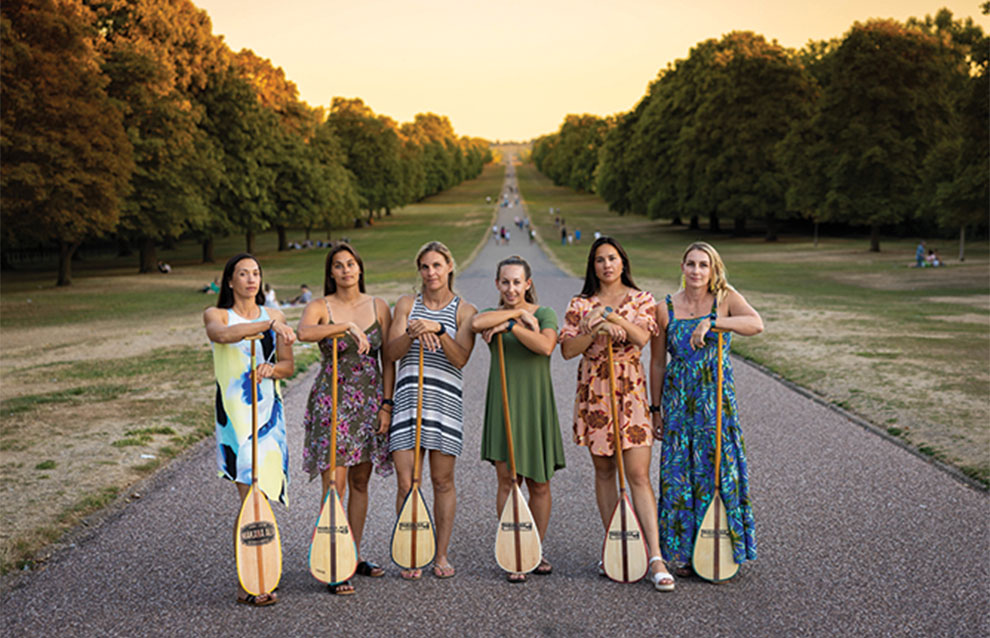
505 409
718 415
617 433
254 412
333 415
419 420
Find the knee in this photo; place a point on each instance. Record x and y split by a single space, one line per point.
603 474
538 490
638 477
442 483
359 484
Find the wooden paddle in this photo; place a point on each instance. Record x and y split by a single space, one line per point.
257 545
624 553
712 558
413 538
517 542
332 552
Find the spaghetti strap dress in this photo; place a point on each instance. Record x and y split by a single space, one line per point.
687 466
443 405
232 409
359 392
538 446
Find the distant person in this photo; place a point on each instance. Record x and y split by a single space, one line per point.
164 268
598 234
532 235
211 288
932 259
919 255
577 234
271 301
304 297
563 235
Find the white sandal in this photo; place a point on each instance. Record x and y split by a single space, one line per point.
662 581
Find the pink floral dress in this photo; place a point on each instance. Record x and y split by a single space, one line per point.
359 392
592 412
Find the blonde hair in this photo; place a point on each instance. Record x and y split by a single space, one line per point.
718 284
438 247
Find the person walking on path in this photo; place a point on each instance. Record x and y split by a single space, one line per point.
685 390
365 381
437 320
240 313
611 307
529 337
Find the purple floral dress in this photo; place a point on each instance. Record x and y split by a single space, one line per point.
359 391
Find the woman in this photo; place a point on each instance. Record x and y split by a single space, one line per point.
705 301
359 321
438 321
611 307
530 335
239 314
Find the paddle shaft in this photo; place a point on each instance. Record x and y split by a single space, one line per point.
617 444
512 456
414 489
718 446
254 452
333 465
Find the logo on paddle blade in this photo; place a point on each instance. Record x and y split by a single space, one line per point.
712 533
326 529
522 527
407 527
258 533
629 534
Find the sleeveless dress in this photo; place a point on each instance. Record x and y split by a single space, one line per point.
232 367
592 408
538 447
359 392
687 463
443 406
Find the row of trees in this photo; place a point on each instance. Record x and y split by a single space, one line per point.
872 130
131 119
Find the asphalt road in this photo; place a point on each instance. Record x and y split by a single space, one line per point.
856 537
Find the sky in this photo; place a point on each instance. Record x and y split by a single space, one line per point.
512 69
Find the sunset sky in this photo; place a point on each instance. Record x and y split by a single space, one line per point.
511 70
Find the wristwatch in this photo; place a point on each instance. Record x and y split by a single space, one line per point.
512 324
606 312
442 329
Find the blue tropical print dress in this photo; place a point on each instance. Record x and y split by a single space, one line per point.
687 464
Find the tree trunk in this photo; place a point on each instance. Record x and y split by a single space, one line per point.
713 222
168 243
676 221
124 247
816 233
147 255
694 224
308 229
771 227
388 211
208 250
249 241
875 238
5 264
739 226
65 252
962 243
282 243
329 236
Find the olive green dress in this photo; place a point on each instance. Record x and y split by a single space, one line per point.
539 449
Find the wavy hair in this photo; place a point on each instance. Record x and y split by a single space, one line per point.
329 283
718 283
591 283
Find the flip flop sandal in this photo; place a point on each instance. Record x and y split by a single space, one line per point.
411 574
514 577
369 569
443 572
544 568
341 589
254 601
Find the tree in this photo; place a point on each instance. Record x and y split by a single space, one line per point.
66 157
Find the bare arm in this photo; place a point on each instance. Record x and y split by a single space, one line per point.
658 369
742 318
217 330
485 320
388 367
286 364
459 350
399 341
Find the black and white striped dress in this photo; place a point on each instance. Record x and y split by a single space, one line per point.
443 405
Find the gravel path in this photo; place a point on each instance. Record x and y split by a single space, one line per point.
856 537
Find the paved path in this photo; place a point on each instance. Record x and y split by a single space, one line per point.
856 537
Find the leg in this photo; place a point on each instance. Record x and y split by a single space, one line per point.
504 486
340 481
637 462
357 504
606 490
444 505
403 461
539 505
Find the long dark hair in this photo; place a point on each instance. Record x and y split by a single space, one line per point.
591 283
225 299
516 260
329 283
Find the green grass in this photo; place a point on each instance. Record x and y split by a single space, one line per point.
94 393
863 329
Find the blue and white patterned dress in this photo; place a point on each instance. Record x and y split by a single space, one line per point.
443 406
687 465
232 367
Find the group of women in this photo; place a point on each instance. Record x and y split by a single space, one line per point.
377 401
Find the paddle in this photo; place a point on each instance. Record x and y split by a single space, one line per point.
712 558
257 546
517 541
332 552
413 538
624 552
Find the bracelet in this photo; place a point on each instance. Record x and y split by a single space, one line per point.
442 330
711 324
654 408
512 324
271 325
388 402
605 313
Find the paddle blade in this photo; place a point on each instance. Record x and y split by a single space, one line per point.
712 558
517 542
332 553
257 545
624 554
413 538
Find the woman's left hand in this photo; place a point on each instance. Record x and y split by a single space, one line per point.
489 334
529 320
615 333
265 371
698 336
284 331
384 420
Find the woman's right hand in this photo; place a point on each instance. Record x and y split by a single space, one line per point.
284 331
359 337
657 425
615 333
